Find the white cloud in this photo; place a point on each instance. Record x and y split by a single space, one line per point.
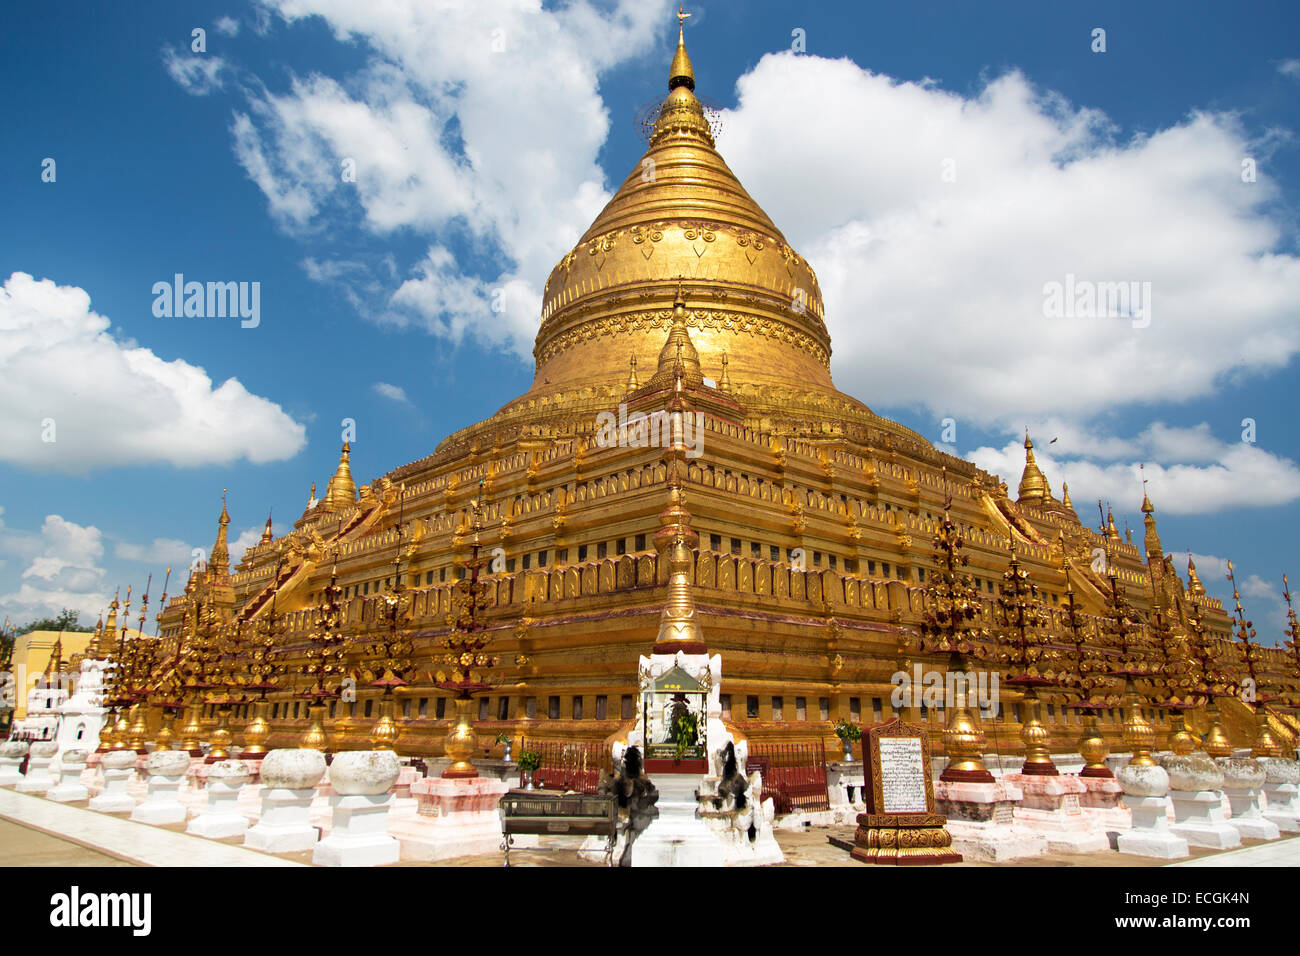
1188 470
393 392
196 73
1290 68
64 572
476 121
226 26
113 404
1043 190
161 551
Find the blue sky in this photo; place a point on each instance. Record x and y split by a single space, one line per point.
486 139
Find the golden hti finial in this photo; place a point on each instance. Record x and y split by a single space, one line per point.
681 73
724 380
1033 484
633 383
267 535
1065 495
341 492
1155 551
1193 579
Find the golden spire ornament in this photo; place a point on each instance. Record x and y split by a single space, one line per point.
1027 657
1253 692
949 628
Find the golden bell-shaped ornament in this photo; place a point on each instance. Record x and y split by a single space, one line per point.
1216 742
257 731
219 744
139 729
1181 741
1265 744
1139 735
121 732
191 730
166 736
383 735
313 737
1093 748
1037 739
461 741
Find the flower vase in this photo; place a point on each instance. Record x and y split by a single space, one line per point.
528 780
507 755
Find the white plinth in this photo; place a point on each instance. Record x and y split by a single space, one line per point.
114 798
70 789
677 837
456 817
1051 805
1150 834
160 807
1199 819
38 778
10 775
1282 806
1246 816
285 823
222 818
980 819
359 836
731 830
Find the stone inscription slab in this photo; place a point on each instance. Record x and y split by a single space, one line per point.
902 775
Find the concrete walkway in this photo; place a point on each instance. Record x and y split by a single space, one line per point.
117 836
1273 853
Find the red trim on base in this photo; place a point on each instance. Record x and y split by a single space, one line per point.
966 776
459 774
686 647
1040 770
1103 773
668 765
254 756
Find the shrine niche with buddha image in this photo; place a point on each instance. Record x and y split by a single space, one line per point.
675 717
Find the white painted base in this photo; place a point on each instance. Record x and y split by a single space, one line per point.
1246 815
70 789
994 842
1150 835
427 839
677 837
9 775
222 818
38 778
359 836
161 807
1199 819
737 848
114 798
1282 807
284 825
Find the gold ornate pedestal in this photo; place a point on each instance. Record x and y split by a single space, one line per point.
139 729
121 733
964 743
383 736
1139 735
903 839
107 735
461 741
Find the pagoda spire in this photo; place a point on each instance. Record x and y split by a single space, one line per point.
219 559
633 383
681 73
1193 579
267 535
341 492
1154 551
724 380
678 346
1033 485
1065 495
92 648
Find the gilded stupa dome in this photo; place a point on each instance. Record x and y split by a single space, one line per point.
682 229
682 217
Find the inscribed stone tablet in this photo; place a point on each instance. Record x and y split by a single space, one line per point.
902 775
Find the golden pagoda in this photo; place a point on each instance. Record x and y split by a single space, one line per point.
814 515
